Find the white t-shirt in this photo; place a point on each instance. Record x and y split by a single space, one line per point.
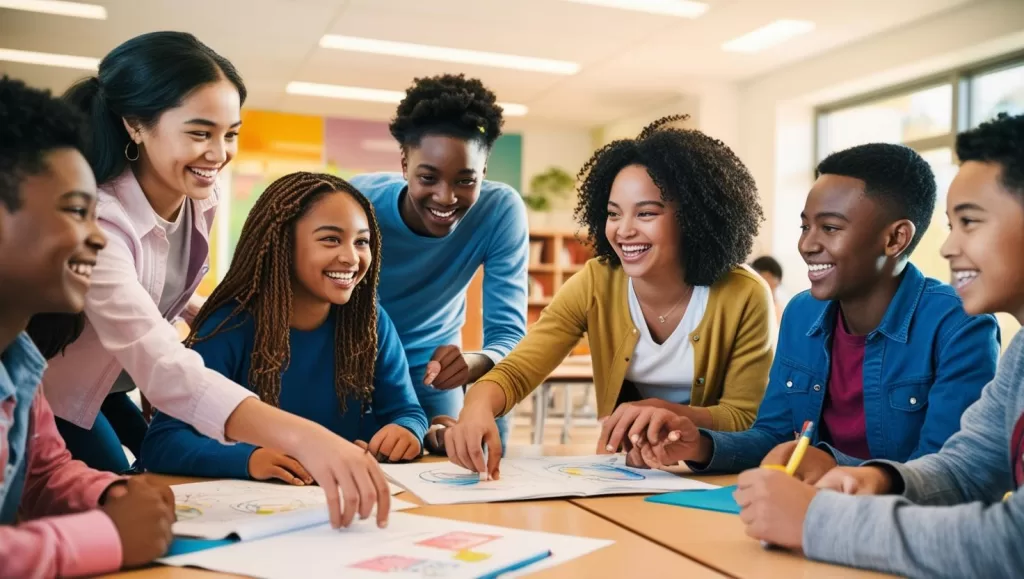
666 370
179 239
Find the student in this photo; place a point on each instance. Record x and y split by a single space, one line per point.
441 221
296 320
945 514
57 516
770 269
672 320
882 359
164 115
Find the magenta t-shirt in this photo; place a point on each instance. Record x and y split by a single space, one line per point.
843 412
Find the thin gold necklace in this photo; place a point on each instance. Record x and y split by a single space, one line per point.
664 316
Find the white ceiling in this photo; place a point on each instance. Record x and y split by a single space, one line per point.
631 61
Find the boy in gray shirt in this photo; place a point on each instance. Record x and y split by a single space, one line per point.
958 512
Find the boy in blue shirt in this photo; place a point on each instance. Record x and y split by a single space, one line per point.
440 221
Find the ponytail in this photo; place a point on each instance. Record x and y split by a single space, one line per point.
108 135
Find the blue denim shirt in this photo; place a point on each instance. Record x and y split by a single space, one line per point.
21 372
923 366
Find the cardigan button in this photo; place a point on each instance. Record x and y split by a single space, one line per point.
817 387
634 330
700 381
696 338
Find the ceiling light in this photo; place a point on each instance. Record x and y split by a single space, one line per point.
49 59
75 9
355 93
683 8
443 54
768 36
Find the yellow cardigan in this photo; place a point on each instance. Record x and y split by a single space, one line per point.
732 345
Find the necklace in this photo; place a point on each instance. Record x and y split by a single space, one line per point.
664 316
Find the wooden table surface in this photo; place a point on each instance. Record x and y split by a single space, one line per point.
718 540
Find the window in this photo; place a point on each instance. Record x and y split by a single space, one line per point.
1000 91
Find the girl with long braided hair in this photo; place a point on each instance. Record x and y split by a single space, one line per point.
674 320
296 320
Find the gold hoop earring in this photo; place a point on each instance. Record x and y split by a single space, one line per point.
127 156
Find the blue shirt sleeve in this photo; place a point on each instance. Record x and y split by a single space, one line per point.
506 278
173 447
394 400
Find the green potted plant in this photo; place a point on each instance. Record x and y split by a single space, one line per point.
553 183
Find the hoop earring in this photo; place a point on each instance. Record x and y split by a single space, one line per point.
130 158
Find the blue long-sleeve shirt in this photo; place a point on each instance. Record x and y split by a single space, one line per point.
423 280
307 390
923 366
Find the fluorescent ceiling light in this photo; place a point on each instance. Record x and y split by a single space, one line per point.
75 9
355 93
768 36
443 54
683 8
49 59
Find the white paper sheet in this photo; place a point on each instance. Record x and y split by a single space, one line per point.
249 509
411 546
443 483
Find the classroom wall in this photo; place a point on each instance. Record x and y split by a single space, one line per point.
775 112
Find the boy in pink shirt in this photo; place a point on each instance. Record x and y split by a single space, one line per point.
71 520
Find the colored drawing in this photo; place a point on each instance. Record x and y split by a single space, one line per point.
434 568
596 472
457 541
471 556
270 506
454 479
187 512
387 564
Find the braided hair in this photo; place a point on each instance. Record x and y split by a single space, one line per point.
717 207
259 283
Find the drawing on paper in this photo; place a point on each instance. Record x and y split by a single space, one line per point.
455 479
596 472
387 564
187 512
434 568
270 506
457 541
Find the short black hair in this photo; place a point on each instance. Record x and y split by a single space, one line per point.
1000 140
139 80
896 175
32 124
768 264
716 200
450 105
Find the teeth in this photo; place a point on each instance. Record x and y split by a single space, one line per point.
636 248
207 173
820 266
442 214
82 269
965 274
342 276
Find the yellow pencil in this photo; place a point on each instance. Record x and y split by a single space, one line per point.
798 452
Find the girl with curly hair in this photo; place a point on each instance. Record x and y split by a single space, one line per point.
440 222
674 321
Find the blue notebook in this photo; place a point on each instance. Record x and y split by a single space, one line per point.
183 545
718 500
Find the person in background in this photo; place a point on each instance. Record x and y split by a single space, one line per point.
58 517
674 321
958 512
441 221
164 113
770 269
883 360
296 320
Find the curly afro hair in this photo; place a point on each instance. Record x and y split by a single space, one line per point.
32 124
715 197
1000 140
450 105
893 174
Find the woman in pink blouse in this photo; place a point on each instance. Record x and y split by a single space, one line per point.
165 112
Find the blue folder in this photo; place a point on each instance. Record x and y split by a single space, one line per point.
184 545
718 500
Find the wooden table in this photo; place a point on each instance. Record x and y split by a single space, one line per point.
717 540
629 554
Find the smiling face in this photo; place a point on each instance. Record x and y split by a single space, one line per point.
444 175
332 250
847 238
985 240
49 245
182 154
641 227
